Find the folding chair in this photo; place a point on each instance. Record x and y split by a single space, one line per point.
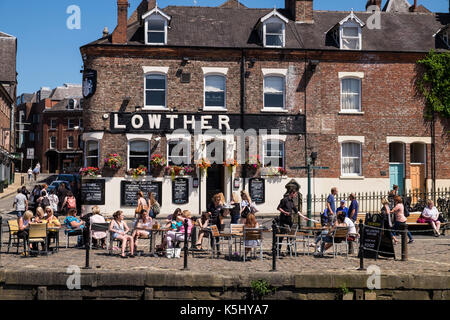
13 227
38 234
253 234
340 237
237 229
219 240
68 232
290 235
98 227
305 239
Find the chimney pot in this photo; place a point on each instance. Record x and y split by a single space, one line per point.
119 35
301 10
373 3
105 32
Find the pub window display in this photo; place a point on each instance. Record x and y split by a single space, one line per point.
139 154
92 153
155 91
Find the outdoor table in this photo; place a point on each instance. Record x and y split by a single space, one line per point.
152 233
56 231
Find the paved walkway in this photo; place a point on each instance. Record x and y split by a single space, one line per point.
426 253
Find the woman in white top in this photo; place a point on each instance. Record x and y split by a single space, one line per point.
144 223
247 206
119 230
431 215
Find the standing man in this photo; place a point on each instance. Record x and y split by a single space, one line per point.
353 208
30 173
286 207
20 203
331 205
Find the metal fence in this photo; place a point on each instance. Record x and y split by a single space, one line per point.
370 202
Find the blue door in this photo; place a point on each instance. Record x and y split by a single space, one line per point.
396 176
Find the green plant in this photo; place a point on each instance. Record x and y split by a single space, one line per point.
434 83
261 288
344 290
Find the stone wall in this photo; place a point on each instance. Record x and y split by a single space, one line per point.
51 285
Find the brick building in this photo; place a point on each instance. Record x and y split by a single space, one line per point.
50 122
8 87
334 87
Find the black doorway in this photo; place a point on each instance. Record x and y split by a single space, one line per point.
214 182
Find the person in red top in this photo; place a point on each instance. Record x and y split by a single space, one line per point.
400 219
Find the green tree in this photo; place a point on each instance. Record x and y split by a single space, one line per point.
434 83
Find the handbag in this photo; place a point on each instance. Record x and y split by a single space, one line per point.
139 208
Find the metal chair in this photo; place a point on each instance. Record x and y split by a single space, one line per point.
255 234
340 237
38 234
13 228
305 239
237 229
290 235
219 241
68 232
98 227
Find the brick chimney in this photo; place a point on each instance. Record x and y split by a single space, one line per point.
119 35
373 3
300 10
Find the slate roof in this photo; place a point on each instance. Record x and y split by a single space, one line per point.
8 49
67 91
216 27
62 106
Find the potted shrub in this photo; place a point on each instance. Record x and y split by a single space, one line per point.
157 162
138 173
113 161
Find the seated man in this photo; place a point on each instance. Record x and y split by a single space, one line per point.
327 241
342 208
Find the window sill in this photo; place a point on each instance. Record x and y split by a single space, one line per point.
273 110
214 109
161 108
351 177
352 112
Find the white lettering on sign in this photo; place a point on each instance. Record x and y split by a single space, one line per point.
135 118
224 121
204 122
116 123
172 118
154 121
190 122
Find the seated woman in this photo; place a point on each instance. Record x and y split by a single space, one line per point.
52 222
431 216
96 217
24 228
179 235
144 223
40 214
250 222
328 240
119 230
74 226
202 224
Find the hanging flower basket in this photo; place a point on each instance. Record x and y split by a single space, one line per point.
274 171
113 161
89 172
203 164
179 171
138 173
230 164
157 161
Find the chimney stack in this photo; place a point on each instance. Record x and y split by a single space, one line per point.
119 35
301 11
373 3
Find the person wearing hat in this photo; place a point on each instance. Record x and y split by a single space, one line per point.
342 208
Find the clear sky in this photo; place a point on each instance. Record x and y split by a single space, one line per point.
48 52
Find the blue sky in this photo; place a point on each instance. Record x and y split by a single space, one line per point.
48 52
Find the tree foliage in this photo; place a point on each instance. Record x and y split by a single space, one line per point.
434 83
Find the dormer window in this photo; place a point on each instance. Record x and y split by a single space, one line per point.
273 30
446 37
347 33
71 104
156 25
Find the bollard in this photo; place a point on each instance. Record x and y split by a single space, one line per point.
274 246
185 245
404 243
361 246
22 180
87 241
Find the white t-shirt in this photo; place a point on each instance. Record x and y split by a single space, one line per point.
20 202
351 225
53 198
432 213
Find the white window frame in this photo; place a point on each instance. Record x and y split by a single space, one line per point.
149 152
347 77
283 33
51 122
158 71
446 37
50 142
73 142
273 17
223 74
274 109
186 139
86 142
68 122
350 24
280 138
360 174
74 104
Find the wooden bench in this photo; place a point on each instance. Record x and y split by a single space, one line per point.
411 221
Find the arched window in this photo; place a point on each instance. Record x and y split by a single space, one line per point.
138 154
215 91
274 92
155 90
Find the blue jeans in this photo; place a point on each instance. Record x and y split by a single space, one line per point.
401 226
19 213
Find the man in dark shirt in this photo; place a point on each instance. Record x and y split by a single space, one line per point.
353 209
286 207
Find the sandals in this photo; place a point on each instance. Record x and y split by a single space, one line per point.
123 257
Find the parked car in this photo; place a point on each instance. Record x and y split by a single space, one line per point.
55 185
68 177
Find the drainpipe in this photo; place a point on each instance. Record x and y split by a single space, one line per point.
433 154
244 171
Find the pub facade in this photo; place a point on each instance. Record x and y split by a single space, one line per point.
254 93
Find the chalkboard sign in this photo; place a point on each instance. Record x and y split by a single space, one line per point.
377 241
180 191
93 191
129 190
257 190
